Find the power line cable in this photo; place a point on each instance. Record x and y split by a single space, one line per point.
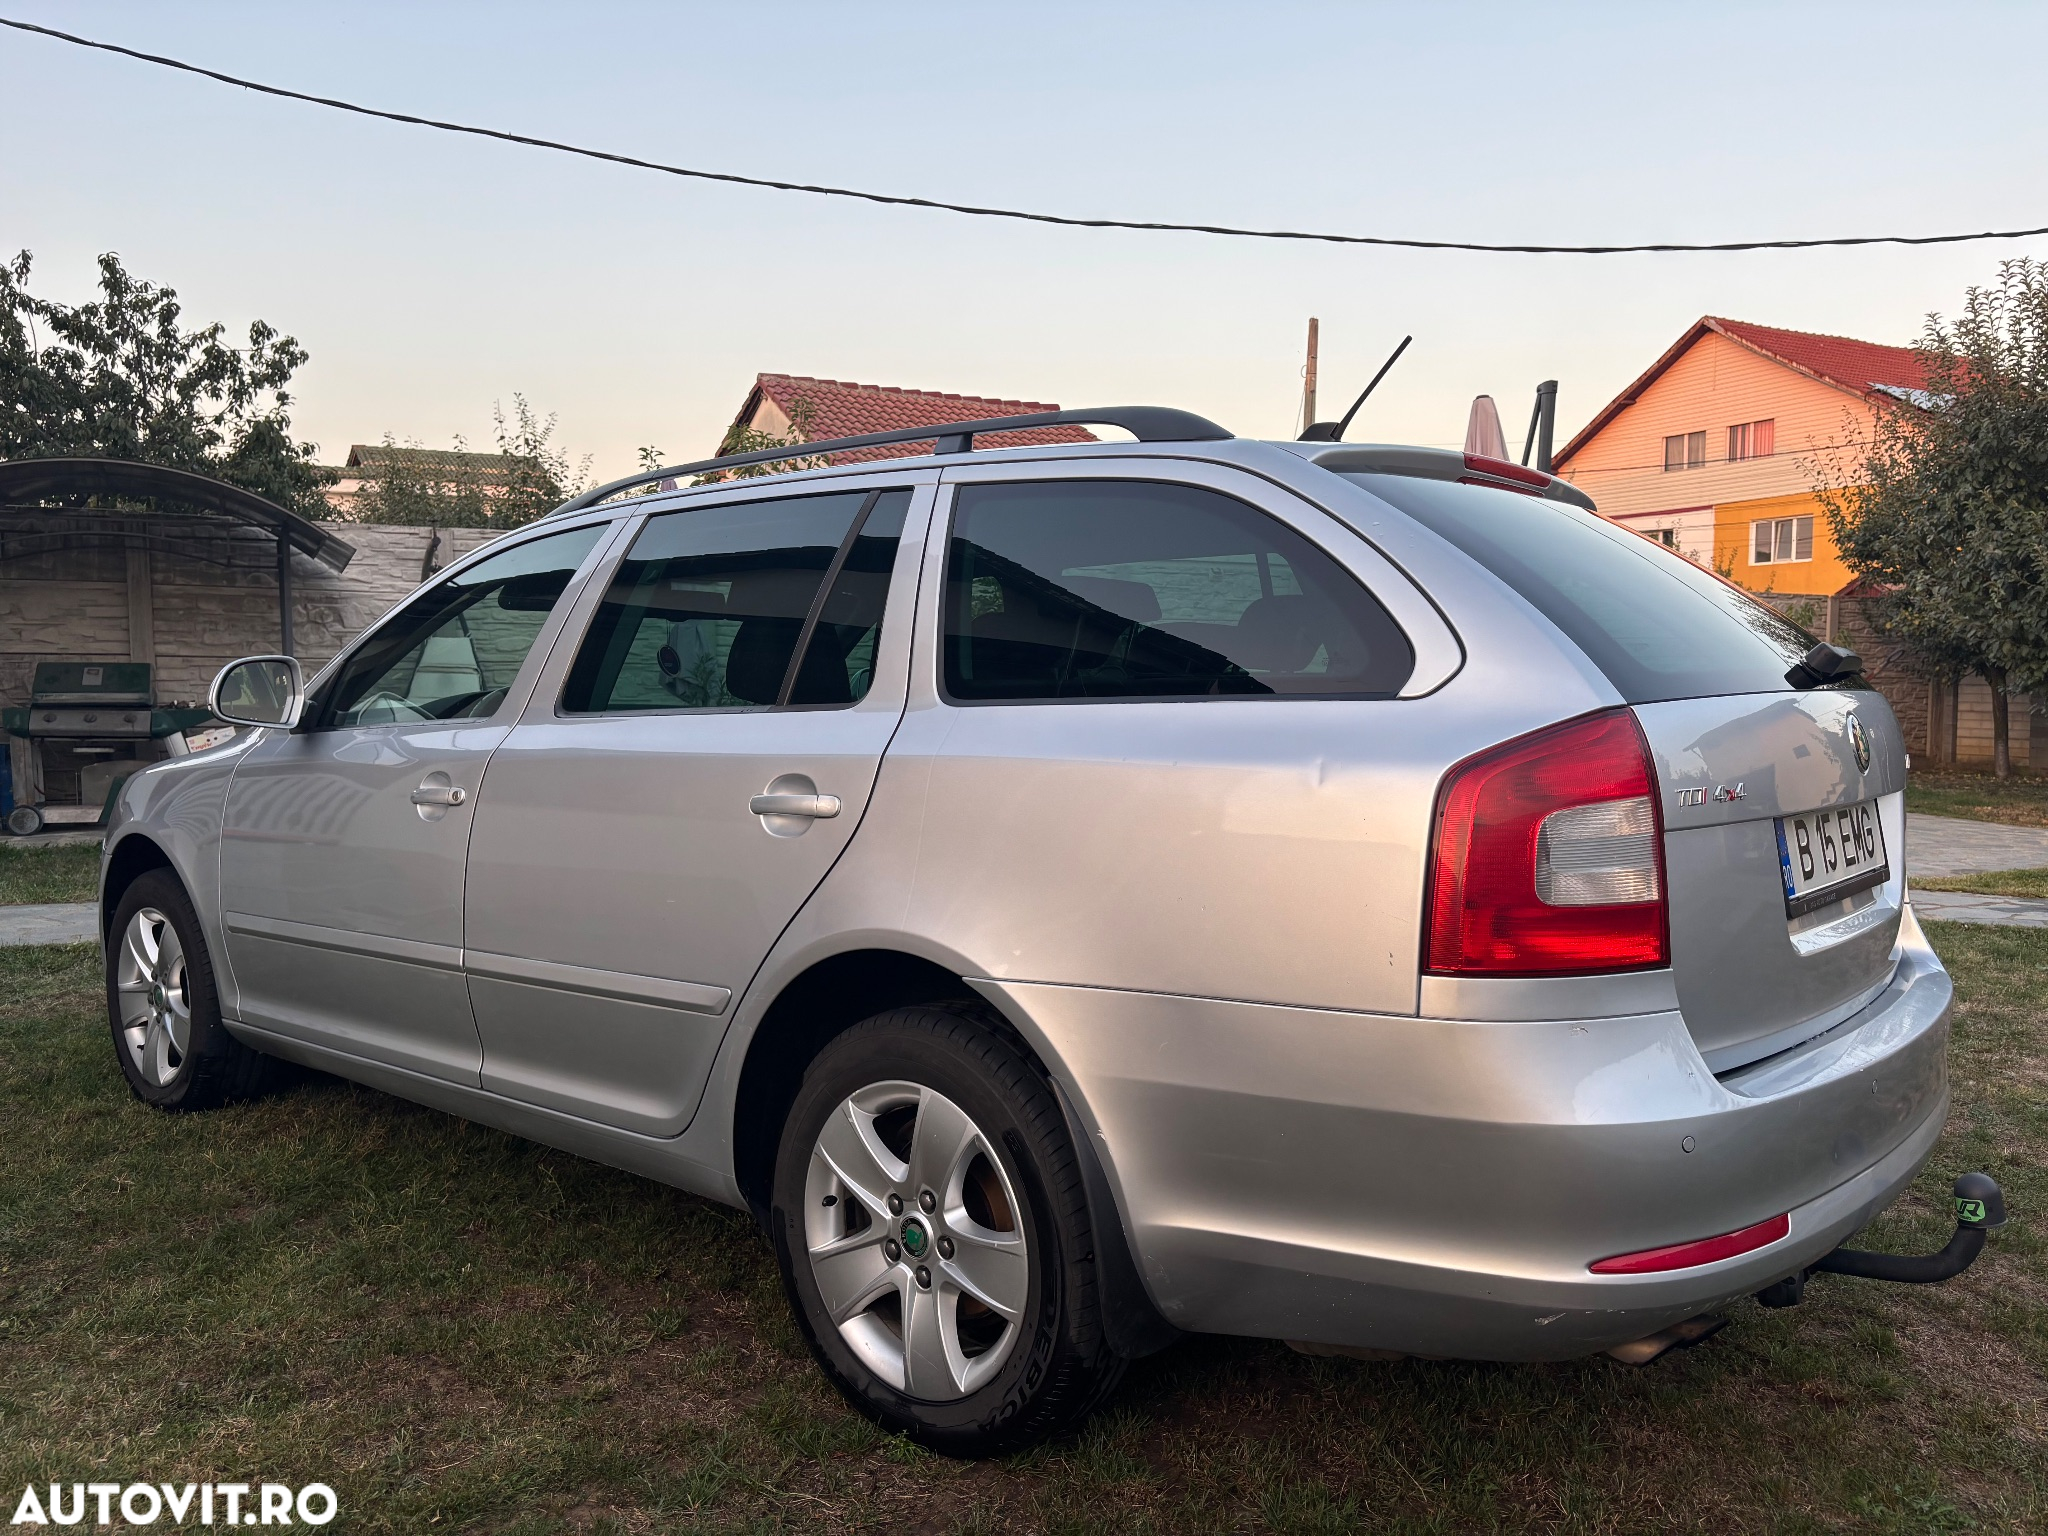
1065 220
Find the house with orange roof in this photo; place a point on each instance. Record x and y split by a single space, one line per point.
834 408
1718 448
1718 451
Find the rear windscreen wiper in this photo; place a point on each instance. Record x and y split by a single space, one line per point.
1824 664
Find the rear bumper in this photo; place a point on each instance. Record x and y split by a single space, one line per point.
1440 1187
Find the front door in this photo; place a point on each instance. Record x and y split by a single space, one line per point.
343 842
679 787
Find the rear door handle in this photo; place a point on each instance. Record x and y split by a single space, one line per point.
818 807
439 794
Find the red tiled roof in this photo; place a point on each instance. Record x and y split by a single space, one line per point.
840 409
1856 366
1839 359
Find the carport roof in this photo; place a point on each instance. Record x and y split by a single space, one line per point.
27 479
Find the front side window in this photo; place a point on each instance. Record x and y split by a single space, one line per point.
453 651
712 606
1121 589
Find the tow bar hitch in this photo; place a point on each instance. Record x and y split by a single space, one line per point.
1980 1208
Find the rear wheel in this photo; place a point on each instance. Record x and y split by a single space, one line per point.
934 1238
164 1010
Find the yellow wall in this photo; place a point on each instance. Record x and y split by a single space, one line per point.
1733 547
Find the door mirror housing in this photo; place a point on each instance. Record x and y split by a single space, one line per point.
264 691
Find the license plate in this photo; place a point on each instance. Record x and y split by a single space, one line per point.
1826 855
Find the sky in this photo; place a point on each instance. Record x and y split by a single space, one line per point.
430 275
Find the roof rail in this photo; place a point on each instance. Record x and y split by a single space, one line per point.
1147 423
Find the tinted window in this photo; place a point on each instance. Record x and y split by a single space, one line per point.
710 605
840 662
1127 589
1655 623
451 653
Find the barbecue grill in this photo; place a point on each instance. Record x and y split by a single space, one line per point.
88 725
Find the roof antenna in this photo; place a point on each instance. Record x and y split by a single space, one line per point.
1333 431
1541 421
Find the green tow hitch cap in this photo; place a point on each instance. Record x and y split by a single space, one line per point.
1979 1202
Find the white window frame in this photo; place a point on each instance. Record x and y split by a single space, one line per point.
1784 531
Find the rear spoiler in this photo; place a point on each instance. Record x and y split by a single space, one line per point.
1447 464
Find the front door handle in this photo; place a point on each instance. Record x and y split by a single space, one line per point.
439 794
817 807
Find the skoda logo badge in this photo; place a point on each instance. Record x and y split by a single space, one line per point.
915 1238
1859 740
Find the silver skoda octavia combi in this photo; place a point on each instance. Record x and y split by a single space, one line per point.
1076 894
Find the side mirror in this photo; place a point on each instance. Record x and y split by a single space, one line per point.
266 691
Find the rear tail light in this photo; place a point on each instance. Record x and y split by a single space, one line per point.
1531 482
1652 1261
1549 857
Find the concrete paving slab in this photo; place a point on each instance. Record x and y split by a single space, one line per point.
68 922
1951 845
1995 911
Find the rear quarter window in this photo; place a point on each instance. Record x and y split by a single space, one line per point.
1129 589
1657 625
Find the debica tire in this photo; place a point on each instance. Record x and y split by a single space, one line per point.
164 1010
929 1217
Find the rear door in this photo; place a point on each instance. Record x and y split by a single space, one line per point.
1185 701
684 778
1746 765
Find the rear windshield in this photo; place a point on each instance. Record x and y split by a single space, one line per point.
1655 623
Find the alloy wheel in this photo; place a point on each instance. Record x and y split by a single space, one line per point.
915 1240
155 996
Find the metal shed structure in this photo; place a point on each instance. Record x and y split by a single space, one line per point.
36 492
123 586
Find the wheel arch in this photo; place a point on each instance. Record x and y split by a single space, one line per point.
132 857
835 993
821 1002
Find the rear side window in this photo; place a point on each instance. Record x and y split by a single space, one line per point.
1119 589
712 606
1655 623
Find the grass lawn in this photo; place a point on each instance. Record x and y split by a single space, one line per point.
2020 801
462 1331
1993 882
67 872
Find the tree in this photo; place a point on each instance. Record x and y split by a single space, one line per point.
541 479
526 478
121 378
415 486
739 439
1948 515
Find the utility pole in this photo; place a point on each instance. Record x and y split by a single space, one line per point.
1308 379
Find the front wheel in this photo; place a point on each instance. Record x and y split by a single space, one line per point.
934 1237
163 1009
